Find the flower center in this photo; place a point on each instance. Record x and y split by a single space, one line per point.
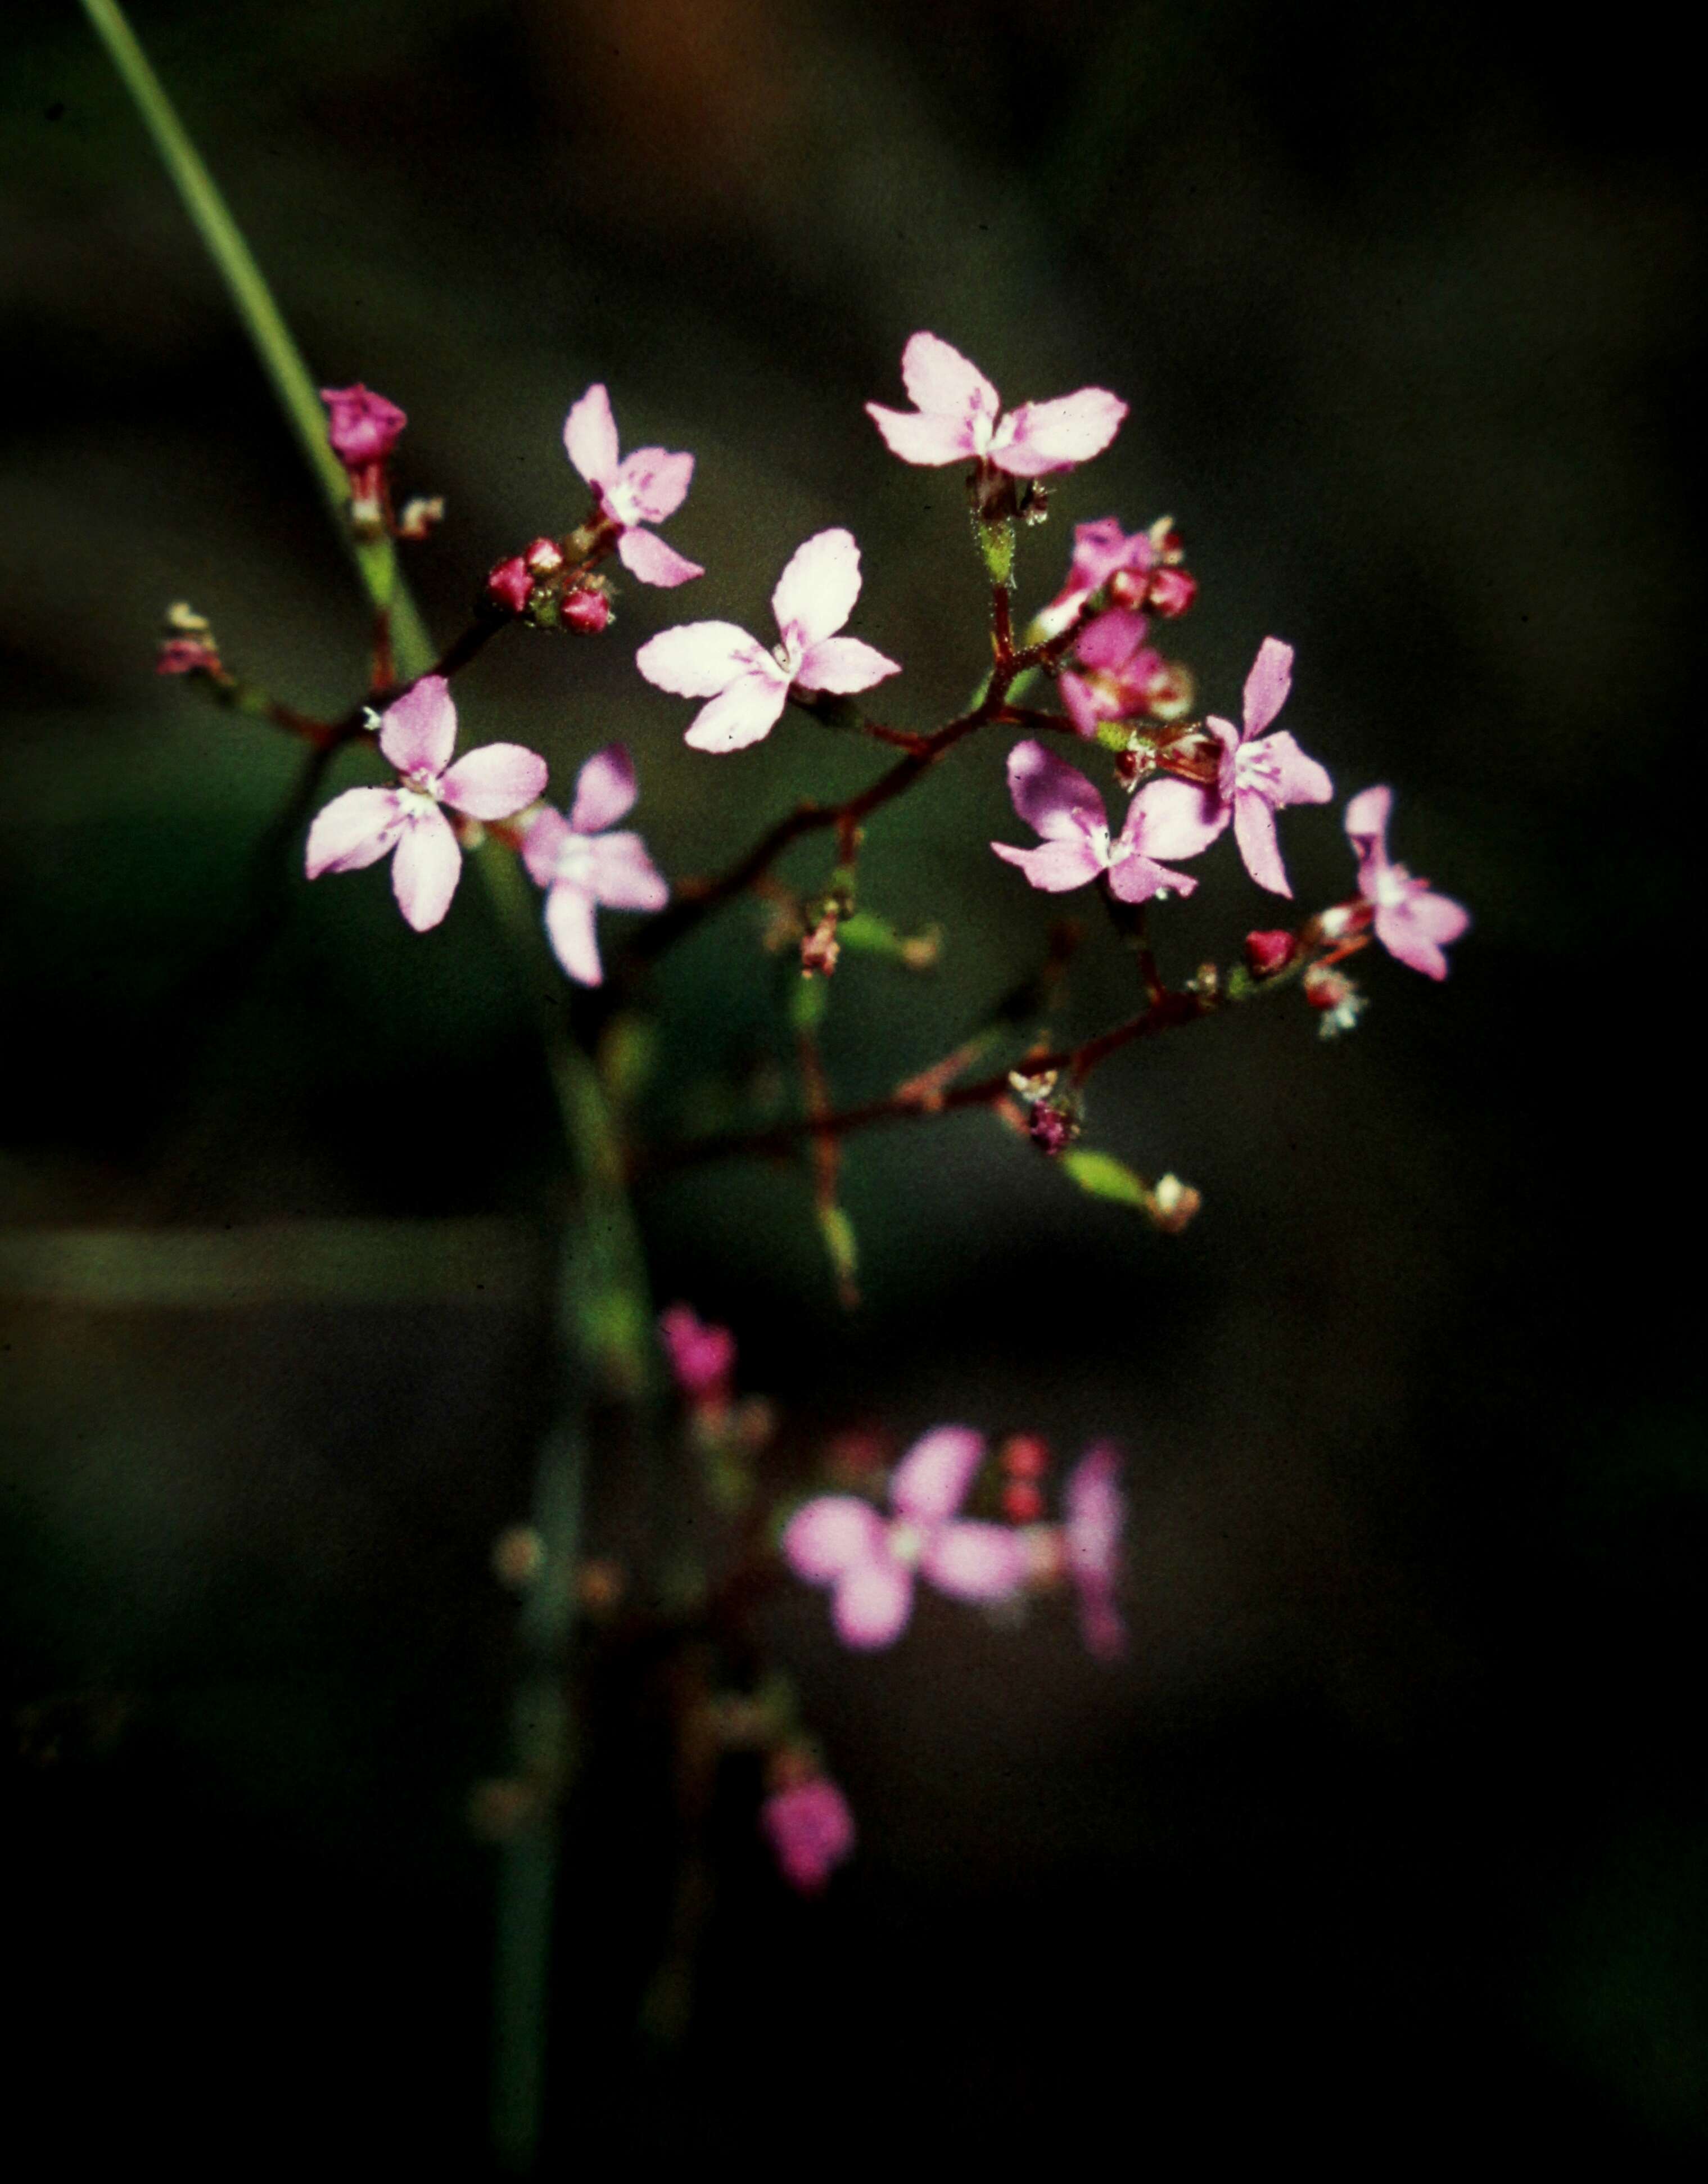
906 1542
420 788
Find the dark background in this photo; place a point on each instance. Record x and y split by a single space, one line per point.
1387 1837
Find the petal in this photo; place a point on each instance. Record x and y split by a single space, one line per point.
1084 708
1056 867
1267 685
1137 878
1100 1624
1366 825
419 732
942 382
1052 436
544 843
590 436
1111 641
747 711
355 829
1096 1511
621 876
1171 818
1100 548
495 782
1414 930
651 561
426 869
1050 795
652 484
699 659
1297 779
843 664
923 440
570 928
605 790
1439 917
830 1535
816 592
976 1562
931 1481
1253 829
872 1603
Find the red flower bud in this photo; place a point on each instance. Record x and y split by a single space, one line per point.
545 557
510 585
362 427
1021 1502
587 611
1025 1455
1266 953
1171 591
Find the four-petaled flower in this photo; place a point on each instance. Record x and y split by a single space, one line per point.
1260 775
648 486
811 1830
581 866
1099 549
1067 811
1091 1541
1412 923
869 1560
418 734
958 415
748 686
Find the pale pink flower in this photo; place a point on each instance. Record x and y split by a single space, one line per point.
644 487
1099 550
958 415
581 867
1116 673
869 1560
1096 1510
811 1830
1260 775
1412 923
748 686
702 1357
1068 811
362 428
418 732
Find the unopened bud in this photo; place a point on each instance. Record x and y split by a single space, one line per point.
1172 1204
1335 995
1165 541
545 557
420 517
1129 768
1168 692
587 609
1129 588
510 585
187 656
1171 591
1021 1502
1052 1128
1266 953
1025 1455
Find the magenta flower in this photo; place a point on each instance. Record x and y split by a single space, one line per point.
869 1560
1100 551
748 686
1096 1509
702 1357
957 415
1067 811
418 734
363 428
1411 921
581 867
1260 775
647 487
1117 674
811 1830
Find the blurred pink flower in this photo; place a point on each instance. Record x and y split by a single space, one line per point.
749 687
418 734
1099 549
1260 775
1096 1509
702 1357
1115 673
1068 811
363 428
869 1561
1412 923
957 415
811 1830
644 487
581 867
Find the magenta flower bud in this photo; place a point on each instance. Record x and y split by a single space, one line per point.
545 557
187 656
1051 1128
702 1357
1171 591
588 610
362 427
811 1830
510 586
1266 953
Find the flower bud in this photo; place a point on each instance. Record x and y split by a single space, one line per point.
1171 591
510 586
1165 541
1335 996
1266 953
1129 588
1168 691
1172 1204
545 557
587 608
363 428
1051 1128
421 517
1021 1502
187 656
1025 1455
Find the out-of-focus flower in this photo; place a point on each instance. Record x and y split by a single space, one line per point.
1099 550
581 867
1412 923
1117 677
811 1830
1096 1510
869 1560
1266 953
1260 775
1067 811
418 732
702 1357
1335 996
643 488
958 415
748 686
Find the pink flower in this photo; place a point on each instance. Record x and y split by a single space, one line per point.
647 487
702 1357
1260 775
869 1561
1411 921
363 428
1067 811
955 417
1122 674
418 734
581 866
811 1830
1091 1538
1099 550
749 687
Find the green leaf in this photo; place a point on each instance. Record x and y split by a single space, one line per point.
1101 1175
